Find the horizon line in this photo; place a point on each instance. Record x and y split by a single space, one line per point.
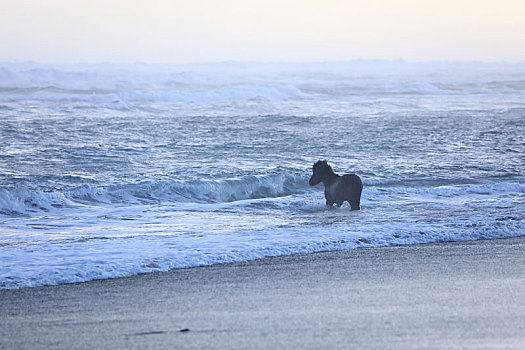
268 62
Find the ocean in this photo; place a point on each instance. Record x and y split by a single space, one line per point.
111 170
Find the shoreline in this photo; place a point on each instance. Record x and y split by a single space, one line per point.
436 295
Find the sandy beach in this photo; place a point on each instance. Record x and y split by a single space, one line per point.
437 296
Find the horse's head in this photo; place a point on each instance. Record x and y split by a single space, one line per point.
320 170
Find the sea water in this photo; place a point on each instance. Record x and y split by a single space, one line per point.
113 170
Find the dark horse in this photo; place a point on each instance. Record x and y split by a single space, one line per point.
337 189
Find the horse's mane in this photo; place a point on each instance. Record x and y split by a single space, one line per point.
323 166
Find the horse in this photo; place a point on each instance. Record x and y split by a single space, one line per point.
337 189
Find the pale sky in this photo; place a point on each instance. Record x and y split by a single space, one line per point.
177 31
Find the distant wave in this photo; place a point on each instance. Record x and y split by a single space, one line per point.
114 86
266 92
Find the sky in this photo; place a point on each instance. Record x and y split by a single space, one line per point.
185 31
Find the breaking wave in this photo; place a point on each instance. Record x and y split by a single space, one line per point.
25 201
15 202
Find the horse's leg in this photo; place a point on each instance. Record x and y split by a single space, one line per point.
339 204
329 204
354 206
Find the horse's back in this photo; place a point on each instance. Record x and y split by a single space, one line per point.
353 181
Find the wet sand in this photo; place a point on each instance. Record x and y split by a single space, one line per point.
442 296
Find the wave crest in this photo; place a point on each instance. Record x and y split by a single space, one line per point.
24 201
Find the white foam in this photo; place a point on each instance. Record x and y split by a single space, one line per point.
22 201
57 263
107 240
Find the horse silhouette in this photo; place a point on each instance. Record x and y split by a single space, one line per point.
337 189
